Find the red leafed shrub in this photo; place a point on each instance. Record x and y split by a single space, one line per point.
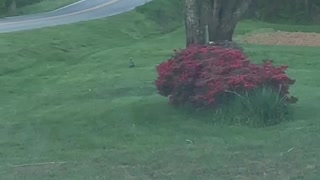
205 76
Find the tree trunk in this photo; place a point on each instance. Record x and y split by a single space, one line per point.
221 17
194 33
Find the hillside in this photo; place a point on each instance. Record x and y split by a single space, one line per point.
72 109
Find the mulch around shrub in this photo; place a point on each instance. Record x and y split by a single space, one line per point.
283 38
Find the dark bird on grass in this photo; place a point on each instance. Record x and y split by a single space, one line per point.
131 63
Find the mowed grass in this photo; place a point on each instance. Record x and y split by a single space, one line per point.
68 96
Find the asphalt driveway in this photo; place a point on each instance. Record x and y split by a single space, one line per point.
83 10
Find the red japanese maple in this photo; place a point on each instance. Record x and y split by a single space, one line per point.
203 76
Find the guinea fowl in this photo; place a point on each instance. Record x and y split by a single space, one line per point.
131 63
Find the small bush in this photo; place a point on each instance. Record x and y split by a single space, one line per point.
214 76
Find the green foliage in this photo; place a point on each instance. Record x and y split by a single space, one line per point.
2 6
168 14
21 3
2 3
33 6
44 6
299 11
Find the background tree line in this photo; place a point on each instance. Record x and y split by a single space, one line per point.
171 14
10 6
289 11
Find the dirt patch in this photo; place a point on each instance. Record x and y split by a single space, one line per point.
283 38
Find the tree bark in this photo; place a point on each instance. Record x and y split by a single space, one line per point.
221 17
194 33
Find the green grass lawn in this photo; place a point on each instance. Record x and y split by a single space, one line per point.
67 95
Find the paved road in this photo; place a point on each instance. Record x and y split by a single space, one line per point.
82 10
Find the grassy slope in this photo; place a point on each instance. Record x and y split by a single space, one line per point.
70 96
